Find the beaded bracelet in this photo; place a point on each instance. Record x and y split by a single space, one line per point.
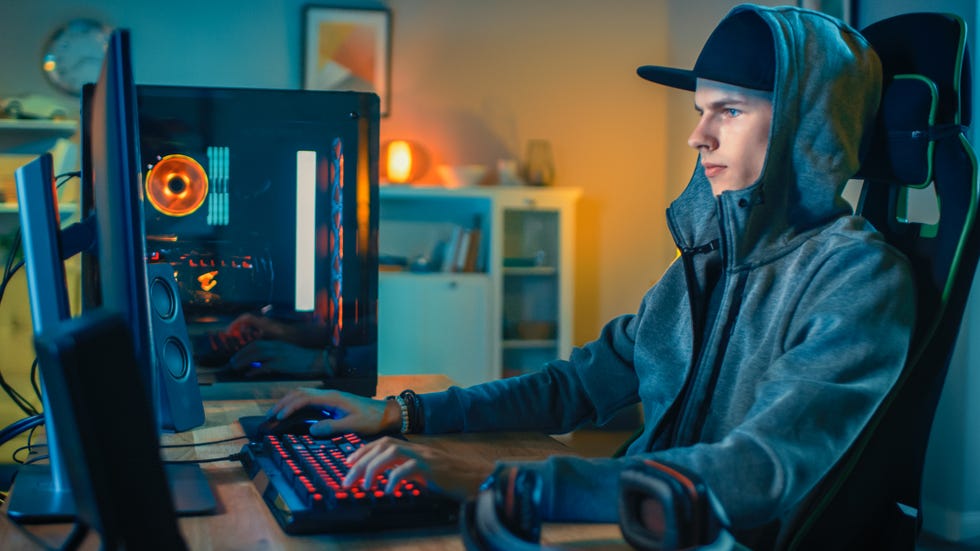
411 411
415 414
403 406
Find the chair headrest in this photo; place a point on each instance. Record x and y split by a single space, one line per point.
926 94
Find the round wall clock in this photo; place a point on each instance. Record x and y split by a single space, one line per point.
73 54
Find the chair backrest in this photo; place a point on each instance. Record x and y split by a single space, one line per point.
871 499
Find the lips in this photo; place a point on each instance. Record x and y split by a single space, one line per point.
712 170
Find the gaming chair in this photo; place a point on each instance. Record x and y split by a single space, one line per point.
871 499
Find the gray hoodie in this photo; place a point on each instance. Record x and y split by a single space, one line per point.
809 329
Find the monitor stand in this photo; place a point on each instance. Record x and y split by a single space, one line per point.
34 500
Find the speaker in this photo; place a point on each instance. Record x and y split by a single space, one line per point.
179 405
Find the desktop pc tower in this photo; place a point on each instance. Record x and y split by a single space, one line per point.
264 202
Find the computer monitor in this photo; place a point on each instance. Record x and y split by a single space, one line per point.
123 496
113 236
115 275
266 202
111 178
43 491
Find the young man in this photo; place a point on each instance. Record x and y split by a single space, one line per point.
763 351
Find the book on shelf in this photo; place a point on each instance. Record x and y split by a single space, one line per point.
452 250
462 252
472 250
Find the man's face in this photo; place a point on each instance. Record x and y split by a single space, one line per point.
732 134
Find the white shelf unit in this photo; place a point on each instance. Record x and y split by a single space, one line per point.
477 326
20 141
33 136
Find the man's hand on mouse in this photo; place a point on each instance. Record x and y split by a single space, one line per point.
355 413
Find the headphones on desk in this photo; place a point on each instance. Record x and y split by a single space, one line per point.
662 507
504 515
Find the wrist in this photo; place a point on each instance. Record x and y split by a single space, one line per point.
409 408
391 417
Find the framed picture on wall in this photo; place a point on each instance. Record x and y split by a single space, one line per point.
841 9
347 49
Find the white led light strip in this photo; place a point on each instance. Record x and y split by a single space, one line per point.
305 230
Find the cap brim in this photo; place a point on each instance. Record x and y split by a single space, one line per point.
669 76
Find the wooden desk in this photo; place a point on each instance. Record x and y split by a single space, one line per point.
244 522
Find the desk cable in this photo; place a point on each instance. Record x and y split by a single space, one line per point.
231 457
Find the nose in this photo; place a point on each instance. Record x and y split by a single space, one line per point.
702 137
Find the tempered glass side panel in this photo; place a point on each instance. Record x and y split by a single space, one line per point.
265 201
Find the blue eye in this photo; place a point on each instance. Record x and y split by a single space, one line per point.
733 112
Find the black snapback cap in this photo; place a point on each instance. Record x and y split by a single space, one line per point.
740 51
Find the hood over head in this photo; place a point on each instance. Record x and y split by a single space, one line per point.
826 89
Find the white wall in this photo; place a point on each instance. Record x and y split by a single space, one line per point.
472 80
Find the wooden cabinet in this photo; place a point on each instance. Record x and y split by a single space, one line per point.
510 314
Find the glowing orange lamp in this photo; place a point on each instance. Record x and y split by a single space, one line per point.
403 161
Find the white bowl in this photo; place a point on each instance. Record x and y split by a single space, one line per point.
454 176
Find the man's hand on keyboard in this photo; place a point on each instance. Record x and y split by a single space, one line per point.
457 476
351 413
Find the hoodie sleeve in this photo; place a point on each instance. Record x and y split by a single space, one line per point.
596 381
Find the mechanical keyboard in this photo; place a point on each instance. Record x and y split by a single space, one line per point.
299 478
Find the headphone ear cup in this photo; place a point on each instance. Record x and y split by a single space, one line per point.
504 514
517 493
665 507
648 512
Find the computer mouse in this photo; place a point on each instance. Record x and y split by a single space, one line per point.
299 422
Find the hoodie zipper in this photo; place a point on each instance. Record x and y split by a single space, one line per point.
686 415
700 413
696 298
